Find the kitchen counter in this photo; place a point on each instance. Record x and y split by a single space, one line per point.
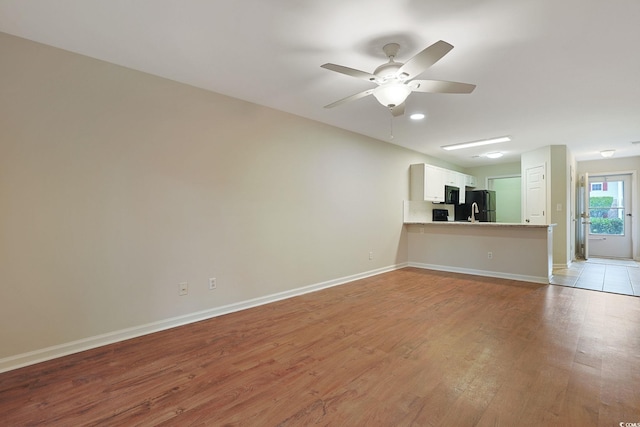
507 250
483 224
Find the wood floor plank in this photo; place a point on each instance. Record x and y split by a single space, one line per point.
408 348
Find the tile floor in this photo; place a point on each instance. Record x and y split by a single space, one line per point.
599 274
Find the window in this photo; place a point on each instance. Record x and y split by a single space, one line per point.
607 209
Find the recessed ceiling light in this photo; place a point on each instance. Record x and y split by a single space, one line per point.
495 155
476 143
607 153
416 116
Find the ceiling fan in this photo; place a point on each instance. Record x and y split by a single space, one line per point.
395 80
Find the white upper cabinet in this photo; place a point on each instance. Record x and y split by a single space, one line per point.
452 178
427 182
470 181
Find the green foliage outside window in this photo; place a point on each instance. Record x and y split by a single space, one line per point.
599 206
599 210
606 226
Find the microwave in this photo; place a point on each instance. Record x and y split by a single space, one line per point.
451 195
440 215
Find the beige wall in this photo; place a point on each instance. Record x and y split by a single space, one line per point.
559 208
558 163
517 252
115 186
482 173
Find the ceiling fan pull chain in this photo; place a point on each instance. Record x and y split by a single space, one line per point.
391 126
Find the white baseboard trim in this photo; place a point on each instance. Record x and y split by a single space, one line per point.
567 265
497 274
42 355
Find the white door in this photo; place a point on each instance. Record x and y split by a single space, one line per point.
535 195
610 216
583 208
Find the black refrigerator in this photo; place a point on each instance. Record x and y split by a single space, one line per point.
486 200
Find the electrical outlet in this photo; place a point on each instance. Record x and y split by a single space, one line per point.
212 283
183 288
370 255
490 255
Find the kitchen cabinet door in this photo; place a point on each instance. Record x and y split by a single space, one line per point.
462 195
458 180
470 181
452 178
434 183
427 182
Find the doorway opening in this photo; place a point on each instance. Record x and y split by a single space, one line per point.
606 216
508 197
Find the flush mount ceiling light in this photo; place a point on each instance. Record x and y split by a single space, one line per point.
417 116
607 153
476 143
495 155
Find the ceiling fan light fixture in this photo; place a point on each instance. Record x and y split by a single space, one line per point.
391 94
476 143
607 153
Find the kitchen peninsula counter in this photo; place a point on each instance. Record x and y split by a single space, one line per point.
483 224
518 251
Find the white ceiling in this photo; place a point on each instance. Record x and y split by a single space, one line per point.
547 71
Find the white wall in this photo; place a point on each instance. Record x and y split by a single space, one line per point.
115 186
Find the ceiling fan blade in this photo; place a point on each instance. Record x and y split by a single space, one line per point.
440 86
350 72
425 59
350 98
398 110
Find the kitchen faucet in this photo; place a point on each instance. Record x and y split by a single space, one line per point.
474 211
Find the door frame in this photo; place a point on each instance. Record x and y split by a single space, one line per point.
582 216
635 218
490 179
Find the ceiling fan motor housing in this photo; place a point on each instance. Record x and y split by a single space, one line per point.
388 70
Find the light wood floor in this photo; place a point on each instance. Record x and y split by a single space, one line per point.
411 347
